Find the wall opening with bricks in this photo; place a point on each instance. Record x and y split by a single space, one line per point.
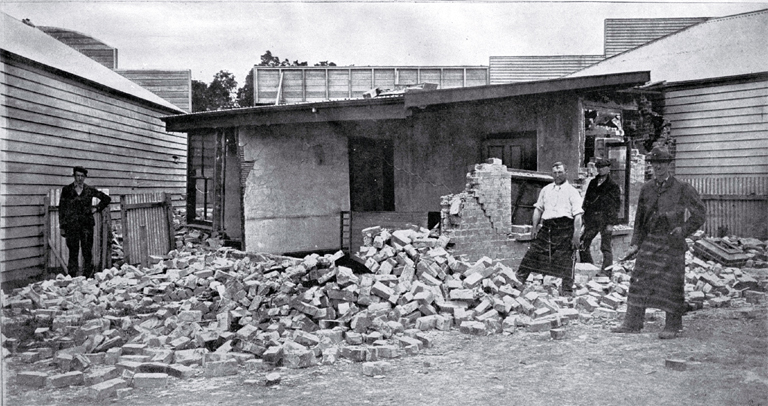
479 219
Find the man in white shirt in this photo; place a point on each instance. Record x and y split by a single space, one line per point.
556 231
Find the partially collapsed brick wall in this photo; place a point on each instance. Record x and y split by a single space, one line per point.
478 220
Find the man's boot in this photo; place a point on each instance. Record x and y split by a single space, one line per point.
673 326
633 321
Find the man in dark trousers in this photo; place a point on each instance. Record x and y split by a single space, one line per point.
76 220
558 211
658 280
601 205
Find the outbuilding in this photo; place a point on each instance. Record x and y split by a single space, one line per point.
306 177
60 109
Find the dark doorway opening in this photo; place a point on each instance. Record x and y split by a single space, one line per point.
517 150
371 175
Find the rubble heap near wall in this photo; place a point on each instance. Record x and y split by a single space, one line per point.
478 220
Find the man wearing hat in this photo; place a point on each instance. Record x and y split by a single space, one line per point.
601 205
661 226
76 220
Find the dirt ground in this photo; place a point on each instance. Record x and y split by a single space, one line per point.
726 354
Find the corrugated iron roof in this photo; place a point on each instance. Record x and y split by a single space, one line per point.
719 47
623 34
33 44
511 69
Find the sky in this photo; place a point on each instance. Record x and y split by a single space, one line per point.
209 36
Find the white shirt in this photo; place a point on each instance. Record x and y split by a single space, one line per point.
559 201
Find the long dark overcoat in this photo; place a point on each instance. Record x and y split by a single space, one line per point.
658 279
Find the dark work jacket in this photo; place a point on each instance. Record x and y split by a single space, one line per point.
662 209
658 279
601 203
75 210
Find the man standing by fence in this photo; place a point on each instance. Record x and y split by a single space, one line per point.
76 220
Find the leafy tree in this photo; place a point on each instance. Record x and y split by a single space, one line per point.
199 101
221 91
218 95
245 93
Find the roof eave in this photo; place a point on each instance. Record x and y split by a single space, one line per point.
388 108
458 95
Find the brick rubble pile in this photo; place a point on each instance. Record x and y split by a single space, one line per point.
213 311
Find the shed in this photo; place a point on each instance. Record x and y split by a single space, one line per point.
713 80
293 178
60 109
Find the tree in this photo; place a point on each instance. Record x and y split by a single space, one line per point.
245 93
199 101
222 90
218 95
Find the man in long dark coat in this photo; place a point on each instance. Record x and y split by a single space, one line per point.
558 211
658 279
76 220
601 206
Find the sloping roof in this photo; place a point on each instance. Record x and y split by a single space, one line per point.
33 44
392 107
720 47
623 34
511 69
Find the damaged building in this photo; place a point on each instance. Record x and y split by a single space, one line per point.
306 177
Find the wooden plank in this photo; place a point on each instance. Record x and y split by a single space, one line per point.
724 129
16 243
748 120
760 85
124 220
734 197
714 105
725 112
21 72
98 124
719 137
102 177
144 205
736 150
26 122
24 92
61 166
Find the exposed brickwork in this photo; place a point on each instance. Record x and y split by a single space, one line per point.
478 220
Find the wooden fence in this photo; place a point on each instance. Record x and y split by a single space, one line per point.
147 221
56 252
735 206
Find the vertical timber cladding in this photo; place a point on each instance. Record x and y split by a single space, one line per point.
721 149
297 187
54 122
308 84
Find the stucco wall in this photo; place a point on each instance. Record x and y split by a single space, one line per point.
293 197
560 133
298 185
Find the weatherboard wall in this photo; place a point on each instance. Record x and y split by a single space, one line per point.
52 121
721 135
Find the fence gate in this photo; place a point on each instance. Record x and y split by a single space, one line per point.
56 252
147 221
